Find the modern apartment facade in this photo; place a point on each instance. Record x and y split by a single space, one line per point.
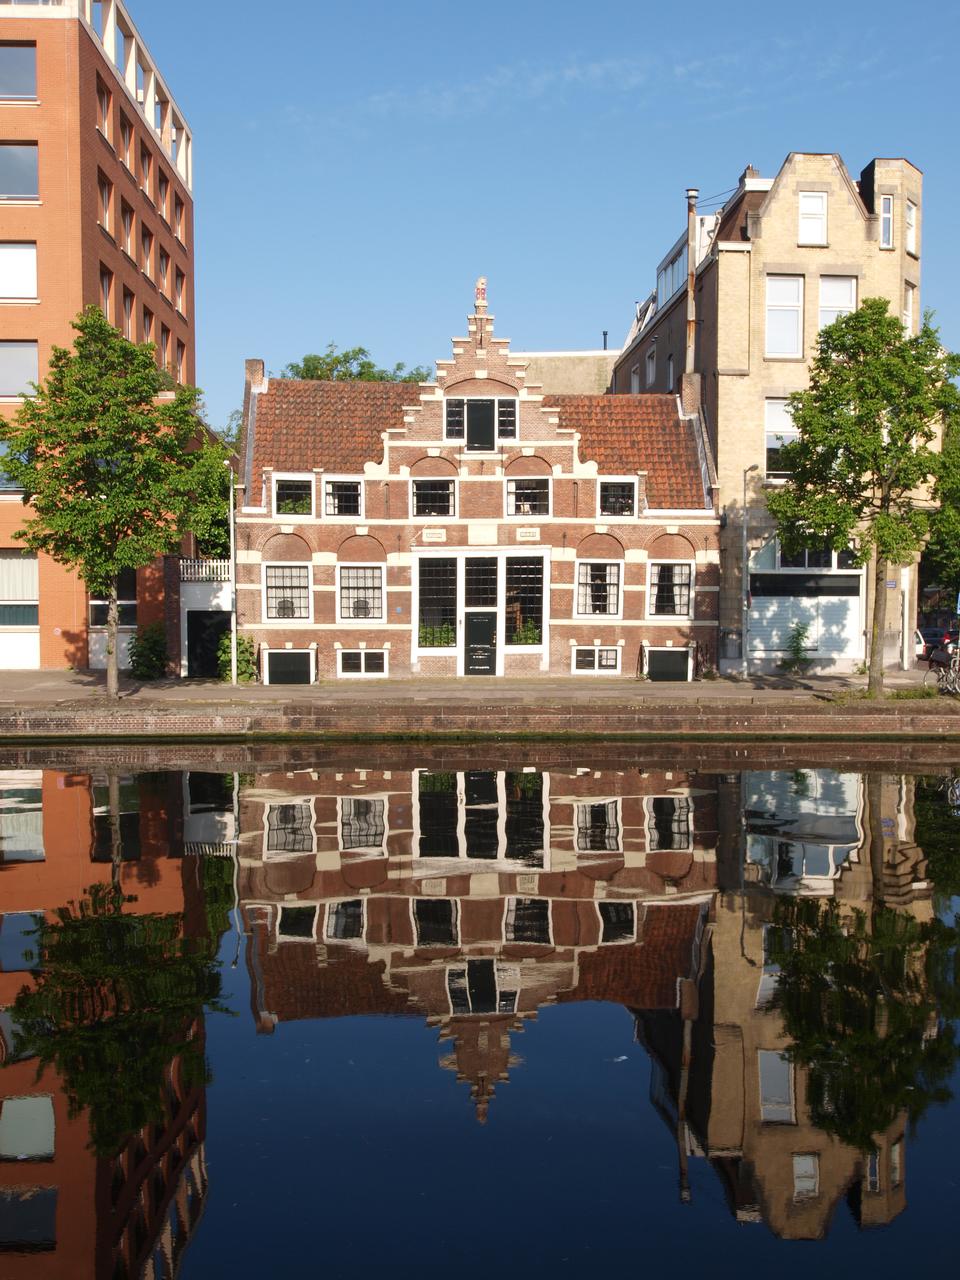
95 208
739 301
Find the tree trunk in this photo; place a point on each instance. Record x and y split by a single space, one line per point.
878 626
116 844
113 662
874 783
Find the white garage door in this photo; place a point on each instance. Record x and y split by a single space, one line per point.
833 624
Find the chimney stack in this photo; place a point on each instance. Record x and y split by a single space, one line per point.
692 193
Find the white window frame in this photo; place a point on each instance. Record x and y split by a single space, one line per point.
526 515
297 906
321 508
836 312
283 517
887 231
650 366
328 912
509 920
807 1192
910 240
448 479
909 307
498 441
631 480
284 855
590 803
371 851
363 675
797 307
363 622
285 623
661 617
790 1105
666 648
617 942
812 225
596 670
16 396
440 897
464 860
503 974
671 376
635 380
648 819
788 435
24 272
267 651
595 617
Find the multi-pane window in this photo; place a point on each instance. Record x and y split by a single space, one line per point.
363 662
909 306
779 430
293 498
776 1087
597 825
18 269
436 921
618 921
297 922
345 920
18 72
480 582
668 823
815 558
126 602
106 289
784 316
528 920
873 1172
362 823
19 367
910 227
813 218
618 497
523 827
482 986
596 658
104 200
19 171
342 498
528 496
838 297
670 590
480 423
287 591
19 587
886 222
434 498
289 828
437 603
598 587
523 608
806 1177
361 592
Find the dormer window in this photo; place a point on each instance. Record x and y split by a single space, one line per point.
293 497
480 423
618 497
342 498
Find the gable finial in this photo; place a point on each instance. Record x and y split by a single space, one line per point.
480 297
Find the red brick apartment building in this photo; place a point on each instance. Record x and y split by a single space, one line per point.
474 526
95 207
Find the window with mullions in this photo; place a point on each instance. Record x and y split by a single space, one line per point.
289 828
437 805
436 922
288 591
361 593
116 825
523 618
529 496
524 826
595 658
437 603
670 590
126 602
598 826
433 498
293 498
817 558
480 583
668 823
363 662
780 431
618 921
480 423
345 920
362 823
598 587
342 498
19 587
528 920
482 986
618 498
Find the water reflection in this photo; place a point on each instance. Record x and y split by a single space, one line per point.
773 934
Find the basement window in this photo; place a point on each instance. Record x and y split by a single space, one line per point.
362 662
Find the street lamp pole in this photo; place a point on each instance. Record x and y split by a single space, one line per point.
233 579
744 577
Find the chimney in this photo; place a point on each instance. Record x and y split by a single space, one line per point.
692 193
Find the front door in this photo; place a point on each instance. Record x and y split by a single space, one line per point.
204 629
481 644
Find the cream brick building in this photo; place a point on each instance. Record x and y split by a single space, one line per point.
782 257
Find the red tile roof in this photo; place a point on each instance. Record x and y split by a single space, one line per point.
628 433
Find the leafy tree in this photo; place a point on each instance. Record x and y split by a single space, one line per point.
352 365
113 474
937 816
868 430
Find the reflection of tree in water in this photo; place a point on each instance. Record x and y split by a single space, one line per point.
117 1000
867 1000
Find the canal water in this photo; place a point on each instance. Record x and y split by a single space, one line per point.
403 1012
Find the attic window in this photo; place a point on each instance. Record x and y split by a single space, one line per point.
293 498
480 423
618 497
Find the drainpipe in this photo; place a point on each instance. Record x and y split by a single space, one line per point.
692 193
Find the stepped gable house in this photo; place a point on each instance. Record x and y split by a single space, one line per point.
474 526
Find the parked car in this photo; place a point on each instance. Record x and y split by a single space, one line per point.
927 639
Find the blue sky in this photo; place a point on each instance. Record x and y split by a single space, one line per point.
358 165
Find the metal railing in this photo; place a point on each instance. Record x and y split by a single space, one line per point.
204 570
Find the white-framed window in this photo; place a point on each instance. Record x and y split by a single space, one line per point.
359 593
669 823
499 818
909 306
288 666
483 986
838 297
343 496
617 496
346 921
363 824
618 921
126 602
297 923
19 368
357 663
812 228
784 317
671 589
896 1163
806 1177
436 922
433 496
874 1182
886 222
527 920
776 1087
18 71
106 290
598 827
27 1126
480 422
598 588
127 315
910 227
778 430
650 366
635 380
528 496
18 269
19 171
671 376
287 594
671 275
596 660
293 496
288 828
19 588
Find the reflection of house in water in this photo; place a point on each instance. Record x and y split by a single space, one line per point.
63 1209
802 827
472 897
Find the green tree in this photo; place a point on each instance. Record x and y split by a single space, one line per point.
352 365
114 472
867 450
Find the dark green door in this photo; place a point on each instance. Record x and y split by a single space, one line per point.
481 644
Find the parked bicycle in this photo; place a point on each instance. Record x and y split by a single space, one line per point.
944 668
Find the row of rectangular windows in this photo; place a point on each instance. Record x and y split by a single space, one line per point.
140 251
812 221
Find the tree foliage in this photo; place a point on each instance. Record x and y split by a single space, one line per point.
351 365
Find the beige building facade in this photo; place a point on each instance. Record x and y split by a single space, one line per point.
740 299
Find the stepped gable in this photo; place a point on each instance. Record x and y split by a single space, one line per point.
625 434
334 425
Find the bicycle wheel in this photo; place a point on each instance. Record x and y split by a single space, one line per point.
930 676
